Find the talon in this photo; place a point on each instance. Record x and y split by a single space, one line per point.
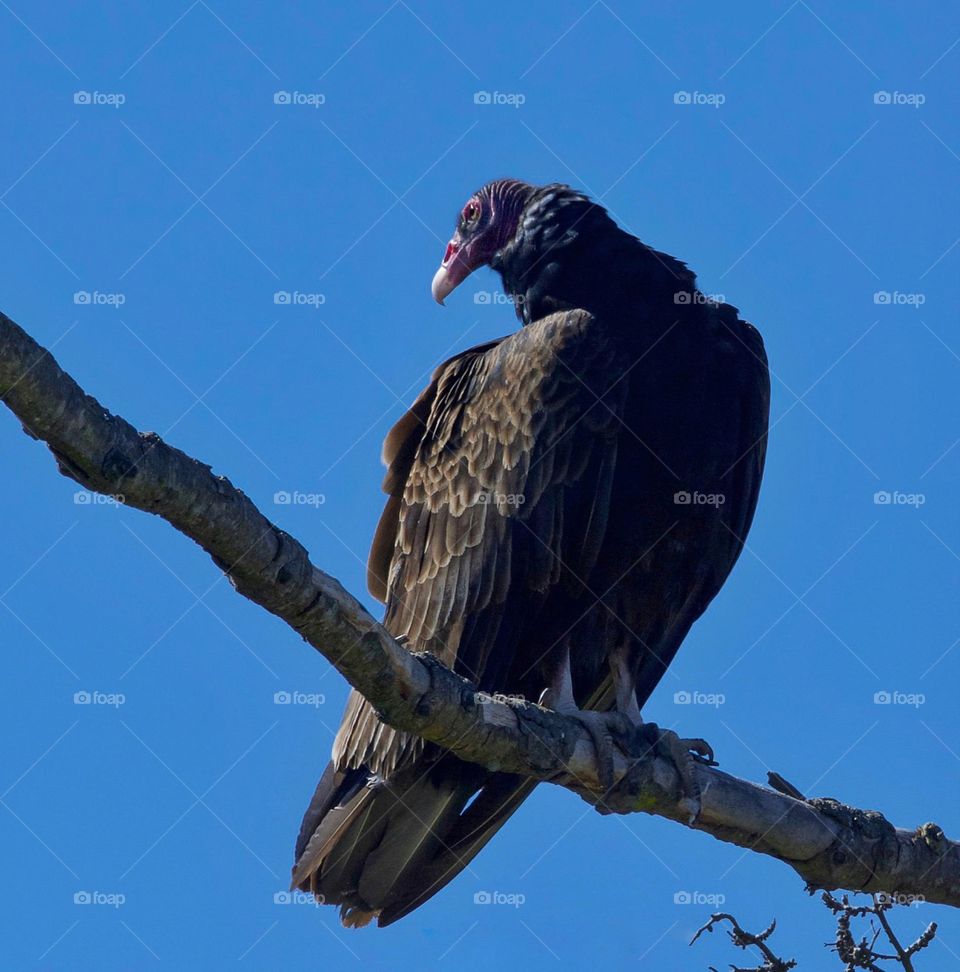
701 751
606 730
684 754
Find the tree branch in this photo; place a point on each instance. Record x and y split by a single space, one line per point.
828 844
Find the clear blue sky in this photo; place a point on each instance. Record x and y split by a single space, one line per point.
783 183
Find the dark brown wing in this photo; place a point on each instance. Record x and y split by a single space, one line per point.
399 452
499 480
731 450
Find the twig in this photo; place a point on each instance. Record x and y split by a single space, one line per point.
744 939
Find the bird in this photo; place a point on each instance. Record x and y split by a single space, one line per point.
562 505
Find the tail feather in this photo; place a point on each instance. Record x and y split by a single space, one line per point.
329 791
497 801
330 829
419 822
381 849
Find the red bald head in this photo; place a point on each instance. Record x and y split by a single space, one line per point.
487 222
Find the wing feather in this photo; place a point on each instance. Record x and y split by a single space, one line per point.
507 450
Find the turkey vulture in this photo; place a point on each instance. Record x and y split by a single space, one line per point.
563 503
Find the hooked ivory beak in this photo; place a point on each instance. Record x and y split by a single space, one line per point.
453 271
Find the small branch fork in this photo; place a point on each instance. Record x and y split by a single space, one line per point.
852 952
744 939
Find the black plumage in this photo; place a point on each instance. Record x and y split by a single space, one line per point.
563 504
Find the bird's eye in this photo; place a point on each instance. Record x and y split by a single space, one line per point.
471 212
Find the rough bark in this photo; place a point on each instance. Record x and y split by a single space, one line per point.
828 844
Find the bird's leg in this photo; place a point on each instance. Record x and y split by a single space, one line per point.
684 754
624 685
649 739
603 727
626 702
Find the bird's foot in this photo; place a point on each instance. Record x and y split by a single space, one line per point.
650 741
606 730
684 754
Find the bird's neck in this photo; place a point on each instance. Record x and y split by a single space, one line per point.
584 260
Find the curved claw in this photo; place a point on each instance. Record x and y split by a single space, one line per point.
605 729
700 750
648 741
